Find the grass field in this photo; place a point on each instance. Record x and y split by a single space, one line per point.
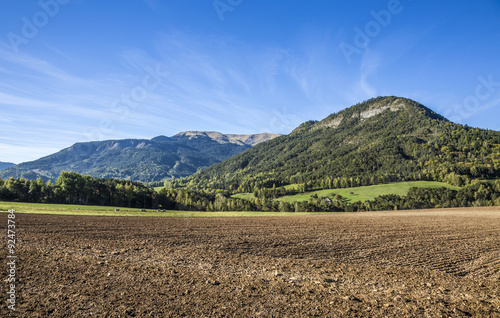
369 192
245 196
358 193
63 209
351 194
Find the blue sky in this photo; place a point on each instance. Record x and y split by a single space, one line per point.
78 70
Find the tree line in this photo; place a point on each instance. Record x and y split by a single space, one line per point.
408 145
75 188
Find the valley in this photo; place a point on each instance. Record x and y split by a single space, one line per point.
259 225
233 158
386 153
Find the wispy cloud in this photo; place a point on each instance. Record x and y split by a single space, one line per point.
369 65
215 83
207 83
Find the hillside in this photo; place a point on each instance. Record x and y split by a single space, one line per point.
384 139
249 140
139 159
4 165
333 165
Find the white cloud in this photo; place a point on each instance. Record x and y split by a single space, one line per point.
214 83
369 65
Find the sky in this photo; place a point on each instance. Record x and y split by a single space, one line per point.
86 70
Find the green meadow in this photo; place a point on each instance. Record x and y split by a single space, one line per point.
358 193
355 194
368 192
62 209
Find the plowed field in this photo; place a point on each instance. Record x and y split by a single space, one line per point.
428 263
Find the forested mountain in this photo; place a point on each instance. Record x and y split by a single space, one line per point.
4 165
384 139
139 159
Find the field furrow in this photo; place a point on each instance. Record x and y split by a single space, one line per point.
439 263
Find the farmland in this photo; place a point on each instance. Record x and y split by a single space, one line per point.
397 264
362 194
71 209
369 192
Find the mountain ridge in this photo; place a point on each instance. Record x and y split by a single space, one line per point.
4 165
152 159
383 139
239 139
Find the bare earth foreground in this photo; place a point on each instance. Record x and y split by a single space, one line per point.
429 263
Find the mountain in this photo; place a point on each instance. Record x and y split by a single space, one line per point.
4 165
139 159
249 140
384 139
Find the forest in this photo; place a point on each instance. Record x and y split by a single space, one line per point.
382 140
75 188
345 150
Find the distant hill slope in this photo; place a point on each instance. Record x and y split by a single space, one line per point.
139 159
384 139
249 140
4 165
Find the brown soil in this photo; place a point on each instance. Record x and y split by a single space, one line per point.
439 263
